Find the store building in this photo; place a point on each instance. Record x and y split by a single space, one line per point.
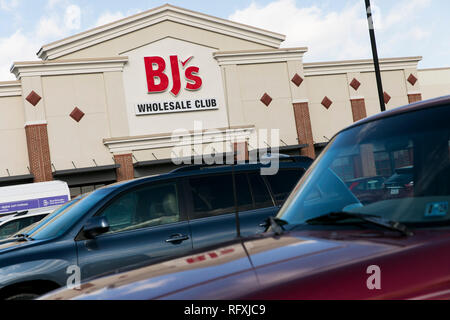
101 106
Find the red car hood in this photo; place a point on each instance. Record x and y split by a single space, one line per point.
297 265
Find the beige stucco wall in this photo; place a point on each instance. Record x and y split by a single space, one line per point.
327 122
394 84
33 113
13 145
247 84
162 30
434 82
72 141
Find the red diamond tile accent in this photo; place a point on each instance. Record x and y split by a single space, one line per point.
412 79
266 99
33 98
297 80
387 97
355 84
326 102
77 114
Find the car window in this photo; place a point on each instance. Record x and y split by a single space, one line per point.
283 183
212 195
261 195
9 228
142 208
66 216
25 222
367 163
244 196
402 162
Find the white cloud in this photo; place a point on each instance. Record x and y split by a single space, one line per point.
8 4
49 28
52 26
419 34
52 3
15 48
402 12
72 17
108 17
343 32
332 35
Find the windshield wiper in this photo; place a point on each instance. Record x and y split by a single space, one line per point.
336 217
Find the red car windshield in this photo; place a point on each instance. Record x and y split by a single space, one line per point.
397 167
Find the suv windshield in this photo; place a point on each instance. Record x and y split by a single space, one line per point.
397 168
62 219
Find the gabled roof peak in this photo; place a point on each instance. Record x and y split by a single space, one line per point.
156 15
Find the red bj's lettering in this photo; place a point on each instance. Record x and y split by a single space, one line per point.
152 74
191 74
175 75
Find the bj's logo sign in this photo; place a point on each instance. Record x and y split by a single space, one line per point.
158 79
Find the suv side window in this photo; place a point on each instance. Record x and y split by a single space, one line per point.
212 195
145 207
244 195
283 183
261 195
9 228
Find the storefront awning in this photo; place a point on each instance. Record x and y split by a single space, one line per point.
187 160
293 148
321 145
15 180
88 176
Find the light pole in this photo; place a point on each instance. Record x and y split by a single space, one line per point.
376 62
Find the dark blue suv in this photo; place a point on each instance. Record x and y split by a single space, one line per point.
142 221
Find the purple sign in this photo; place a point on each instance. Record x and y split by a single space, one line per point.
32 204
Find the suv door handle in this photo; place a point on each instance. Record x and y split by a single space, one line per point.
177 238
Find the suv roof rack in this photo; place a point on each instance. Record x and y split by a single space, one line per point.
15 213
282 157
22 213
300 159
196 167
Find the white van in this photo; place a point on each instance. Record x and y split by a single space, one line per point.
32 198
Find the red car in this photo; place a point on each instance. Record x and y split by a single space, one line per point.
325 243
367 189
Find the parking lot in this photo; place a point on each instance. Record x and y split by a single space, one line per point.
176 155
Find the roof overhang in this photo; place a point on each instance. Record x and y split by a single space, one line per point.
10 89
69 66
259 56
145 19
170 140
365 65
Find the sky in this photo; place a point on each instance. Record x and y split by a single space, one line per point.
331 29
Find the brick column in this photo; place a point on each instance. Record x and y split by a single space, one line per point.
358 109
414 97
357 167
126 170
241 149
304 129
39 152
368 161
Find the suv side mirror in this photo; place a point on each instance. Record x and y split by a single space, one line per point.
95 227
